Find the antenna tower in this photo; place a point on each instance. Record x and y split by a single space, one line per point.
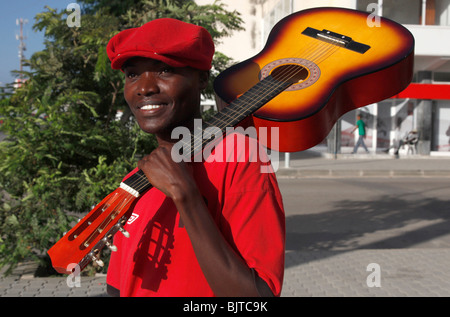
22 47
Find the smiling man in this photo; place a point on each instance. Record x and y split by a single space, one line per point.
205 228
165 102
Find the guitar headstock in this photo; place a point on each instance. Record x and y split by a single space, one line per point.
83 243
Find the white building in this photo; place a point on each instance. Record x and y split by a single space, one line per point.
423 106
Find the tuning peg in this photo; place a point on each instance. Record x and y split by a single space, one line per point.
98 261
112 247
108 243
93 254
124 232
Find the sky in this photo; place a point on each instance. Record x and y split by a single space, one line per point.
10 10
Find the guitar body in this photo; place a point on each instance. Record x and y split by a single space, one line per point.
376 64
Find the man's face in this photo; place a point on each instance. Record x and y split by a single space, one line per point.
162 97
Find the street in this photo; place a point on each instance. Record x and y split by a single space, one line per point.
366 213
364 237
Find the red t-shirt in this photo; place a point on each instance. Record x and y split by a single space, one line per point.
245 202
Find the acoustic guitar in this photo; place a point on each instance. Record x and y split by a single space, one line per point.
317 65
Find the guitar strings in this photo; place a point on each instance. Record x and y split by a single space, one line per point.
312 47
122 203
318 56
289 72
234 112
316 52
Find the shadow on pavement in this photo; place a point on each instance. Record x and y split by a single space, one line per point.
388 222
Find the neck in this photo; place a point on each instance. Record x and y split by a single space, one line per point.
165 137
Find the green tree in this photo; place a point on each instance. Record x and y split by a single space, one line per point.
70 136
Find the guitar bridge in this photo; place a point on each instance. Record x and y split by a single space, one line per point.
336 39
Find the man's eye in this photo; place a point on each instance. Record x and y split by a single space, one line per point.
167 70
131 75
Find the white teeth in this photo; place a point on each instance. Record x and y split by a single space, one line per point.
150 107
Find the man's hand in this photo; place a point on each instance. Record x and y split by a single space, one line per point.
173 179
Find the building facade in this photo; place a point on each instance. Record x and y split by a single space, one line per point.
423 107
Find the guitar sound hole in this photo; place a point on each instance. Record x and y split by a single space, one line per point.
292 73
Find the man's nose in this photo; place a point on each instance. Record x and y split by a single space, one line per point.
148 84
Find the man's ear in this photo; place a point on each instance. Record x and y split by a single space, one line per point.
204 79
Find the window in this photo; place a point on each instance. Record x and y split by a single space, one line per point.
428 12
281 10
442 12
441 77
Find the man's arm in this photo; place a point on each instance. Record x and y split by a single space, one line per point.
226 272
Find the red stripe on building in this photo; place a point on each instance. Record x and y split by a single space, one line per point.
425 91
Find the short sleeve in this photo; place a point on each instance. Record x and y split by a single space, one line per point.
253 218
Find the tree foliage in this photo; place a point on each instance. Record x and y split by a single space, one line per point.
70 137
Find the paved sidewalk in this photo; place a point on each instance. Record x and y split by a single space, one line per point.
28 286
319 164
403 272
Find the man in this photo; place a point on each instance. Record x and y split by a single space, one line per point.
204 229
360 125
411 139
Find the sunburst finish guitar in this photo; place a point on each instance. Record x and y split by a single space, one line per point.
341 63
317 65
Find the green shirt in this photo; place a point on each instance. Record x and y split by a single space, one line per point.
361 127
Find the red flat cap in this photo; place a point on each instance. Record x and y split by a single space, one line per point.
176 43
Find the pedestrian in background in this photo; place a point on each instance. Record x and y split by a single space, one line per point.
361 126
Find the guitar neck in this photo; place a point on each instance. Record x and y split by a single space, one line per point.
248 103
230 116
